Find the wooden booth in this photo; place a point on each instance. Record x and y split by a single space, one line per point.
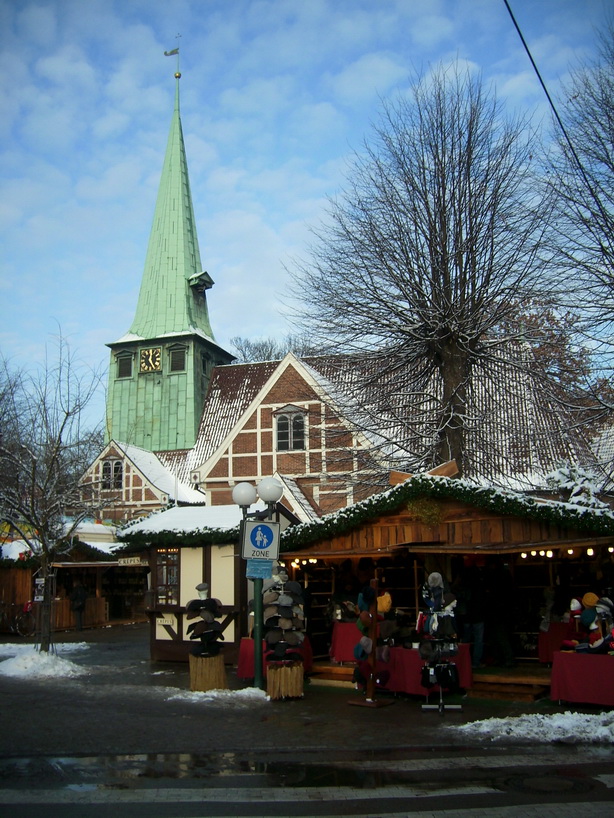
433 523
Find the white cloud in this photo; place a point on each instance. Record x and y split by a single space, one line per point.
366 77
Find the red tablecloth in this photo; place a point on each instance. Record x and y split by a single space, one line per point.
405 668
550 640
586 678
245 665
345 638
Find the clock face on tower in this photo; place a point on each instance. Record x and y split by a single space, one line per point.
150 360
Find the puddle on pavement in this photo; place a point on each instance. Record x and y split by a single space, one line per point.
236 770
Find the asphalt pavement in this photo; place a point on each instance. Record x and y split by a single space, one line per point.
123 705
126 739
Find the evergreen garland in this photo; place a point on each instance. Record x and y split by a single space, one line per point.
598 522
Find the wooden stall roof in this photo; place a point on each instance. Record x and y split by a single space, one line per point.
438 514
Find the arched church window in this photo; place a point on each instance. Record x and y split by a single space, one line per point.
290 428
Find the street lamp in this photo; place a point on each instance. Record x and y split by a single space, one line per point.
269 490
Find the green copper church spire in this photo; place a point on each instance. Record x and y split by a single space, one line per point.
172 296
160 370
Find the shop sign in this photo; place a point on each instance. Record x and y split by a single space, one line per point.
133 561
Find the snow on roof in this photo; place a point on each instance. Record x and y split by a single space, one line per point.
97 533
303 508
159 475
189 519
12 550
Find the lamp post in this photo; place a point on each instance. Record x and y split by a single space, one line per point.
244 495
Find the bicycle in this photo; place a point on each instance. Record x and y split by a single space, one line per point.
25 621
17 619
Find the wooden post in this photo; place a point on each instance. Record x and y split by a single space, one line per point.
207 673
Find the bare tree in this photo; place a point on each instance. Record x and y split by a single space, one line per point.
424 257
583 178
43 454
270 349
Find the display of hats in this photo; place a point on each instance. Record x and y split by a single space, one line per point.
365 618
270 613
293 638
206 629
269 597
206 649
384 603
283 618
386 628
273 635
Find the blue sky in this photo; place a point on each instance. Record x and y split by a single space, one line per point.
275 94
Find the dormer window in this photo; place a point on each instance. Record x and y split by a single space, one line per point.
290 428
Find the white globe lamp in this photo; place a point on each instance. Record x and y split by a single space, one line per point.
270 490
244 494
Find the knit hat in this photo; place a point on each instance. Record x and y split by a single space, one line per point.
384 603
435 580
590 599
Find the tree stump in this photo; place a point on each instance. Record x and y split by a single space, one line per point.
207 673
285 681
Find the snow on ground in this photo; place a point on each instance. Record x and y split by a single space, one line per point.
29 663
246 696
26 661
568 728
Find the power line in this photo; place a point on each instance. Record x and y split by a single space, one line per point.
587 182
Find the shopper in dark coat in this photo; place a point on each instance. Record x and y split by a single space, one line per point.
78 597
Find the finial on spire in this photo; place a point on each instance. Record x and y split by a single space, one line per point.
173 53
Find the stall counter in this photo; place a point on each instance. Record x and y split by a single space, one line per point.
586 678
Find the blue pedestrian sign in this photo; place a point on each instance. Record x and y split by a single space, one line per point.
260 540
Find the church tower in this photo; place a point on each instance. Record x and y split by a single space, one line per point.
159 371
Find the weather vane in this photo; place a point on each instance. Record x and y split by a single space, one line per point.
175 52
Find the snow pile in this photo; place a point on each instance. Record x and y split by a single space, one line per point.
36 665
17 649
28 662
246 696
568 727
